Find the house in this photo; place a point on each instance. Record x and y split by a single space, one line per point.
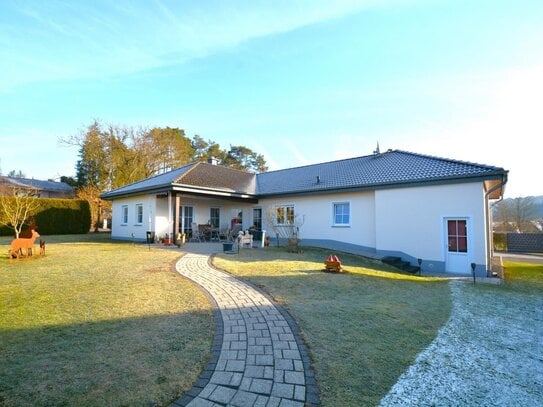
42 189
393 203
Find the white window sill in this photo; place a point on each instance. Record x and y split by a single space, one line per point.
341 226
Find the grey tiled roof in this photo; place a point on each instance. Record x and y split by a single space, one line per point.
389 168
158 181
197 175
392 168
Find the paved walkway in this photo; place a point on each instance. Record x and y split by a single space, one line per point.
258 356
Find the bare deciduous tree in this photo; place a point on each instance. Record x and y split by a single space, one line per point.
516 214
16 209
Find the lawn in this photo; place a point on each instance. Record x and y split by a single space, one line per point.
99 323
524 277
363 328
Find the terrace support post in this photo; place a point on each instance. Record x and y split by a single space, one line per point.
176 220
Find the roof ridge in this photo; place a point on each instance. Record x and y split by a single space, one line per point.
228 168
153 176
326 162
451 160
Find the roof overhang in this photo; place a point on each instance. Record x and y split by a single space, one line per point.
496 178
186 189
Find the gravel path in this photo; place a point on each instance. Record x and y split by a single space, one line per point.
490 353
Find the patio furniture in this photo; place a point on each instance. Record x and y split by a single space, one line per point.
245 239
196 235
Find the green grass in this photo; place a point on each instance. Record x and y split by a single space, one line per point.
363 328
525 277
99 323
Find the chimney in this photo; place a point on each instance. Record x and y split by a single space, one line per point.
212 160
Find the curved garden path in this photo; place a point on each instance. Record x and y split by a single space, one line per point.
258 356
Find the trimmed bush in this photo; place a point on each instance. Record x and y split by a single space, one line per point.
500 241
59 217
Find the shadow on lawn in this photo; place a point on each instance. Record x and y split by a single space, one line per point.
143 361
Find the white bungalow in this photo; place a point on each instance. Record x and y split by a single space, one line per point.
396 203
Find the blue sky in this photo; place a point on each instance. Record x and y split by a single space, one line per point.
301 82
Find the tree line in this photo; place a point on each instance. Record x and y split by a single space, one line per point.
111 156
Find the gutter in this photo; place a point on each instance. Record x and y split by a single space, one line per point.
489 238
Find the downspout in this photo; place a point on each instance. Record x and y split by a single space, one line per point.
489 238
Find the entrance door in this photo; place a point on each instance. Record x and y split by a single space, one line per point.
457 257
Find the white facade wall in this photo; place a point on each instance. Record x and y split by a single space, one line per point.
121 230
317 211
413 220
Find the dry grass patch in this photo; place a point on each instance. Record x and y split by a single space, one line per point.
363 328
99 323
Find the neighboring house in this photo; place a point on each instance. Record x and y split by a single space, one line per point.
43 189
393 203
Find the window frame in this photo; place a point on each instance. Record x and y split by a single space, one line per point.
217 218
124 214
334 214
139 206
289 213
257 220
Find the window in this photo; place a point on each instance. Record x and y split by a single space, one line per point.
342 214
285 215
124 214
139 214
457 232
215 217
188 218
257 218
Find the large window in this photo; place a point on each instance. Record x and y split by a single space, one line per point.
285 215
124 214
188 218
215 217
342 214
139 214
257 218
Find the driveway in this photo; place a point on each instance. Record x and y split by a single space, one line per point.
520 257
489 353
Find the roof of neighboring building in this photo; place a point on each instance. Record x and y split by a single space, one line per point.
37 184
390 169
373 171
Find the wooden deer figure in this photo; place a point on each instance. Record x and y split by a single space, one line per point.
17 245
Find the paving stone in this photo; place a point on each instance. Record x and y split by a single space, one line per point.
222 378
222 394
283 390
255 350
261 401
298 365
235 366
254 371
200 402
294 377
299 393
284 364
262 341
210 388
245 384
264 360
261 386
290 403
243 399
274 402
279 376
291 354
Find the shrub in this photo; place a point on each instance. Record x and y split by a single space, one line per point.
59 217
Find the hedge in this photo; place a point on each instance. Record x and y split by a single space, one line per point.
59 217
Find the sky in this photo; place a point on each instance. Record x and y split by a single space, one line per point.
301 82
